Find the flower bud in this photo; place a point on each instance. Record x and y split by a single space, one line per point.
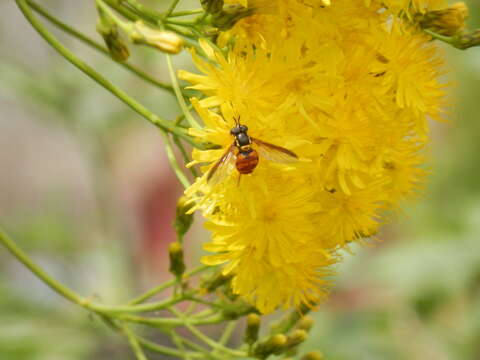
177 266
212 6
305 323
107 28
165 41
214 282
448 22
229 16
275 344
183 220
253 327
296 338
314 355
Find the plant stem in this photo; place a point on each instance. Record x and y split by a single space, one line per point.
178 93
201 336
68 55
170 9
173 161
60 289
227 332
137 349
170 322
186 157
186 13
154 291
147 344
76 34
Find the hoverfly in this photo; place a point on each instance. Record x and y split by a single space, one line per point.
244 157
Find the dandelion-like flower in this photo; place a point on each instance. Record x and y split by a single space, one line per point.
345 87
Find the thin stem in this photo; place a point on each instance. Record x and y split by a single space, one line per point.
127 27
60 289
68 55
186 13
170 322
137 349
174 163
154 291
170 9
178 93
201 336
149 345
142 10
76 34
186 157
227 333
178 341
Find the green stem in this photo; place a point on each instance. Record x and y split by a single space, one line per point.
179 95
170 322
149 345
154 291
76 34
143 11
186 157
227 333
170 9
137 349
68 55
60 289
201 336
186 13
173 161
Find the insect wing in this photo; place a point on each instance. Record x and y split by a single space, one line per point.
275 153
223 167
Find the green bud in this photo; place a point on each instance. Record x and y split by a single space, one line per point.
183 221
237 309
177 266
296 338
314 355
305 323
229 16
107 28
253 327
214 282
275 344
212 6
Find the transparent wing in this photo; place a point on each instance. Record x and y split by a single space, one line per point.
275 153
223 167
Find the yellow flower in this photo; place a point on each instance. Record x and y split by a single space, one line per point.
348 89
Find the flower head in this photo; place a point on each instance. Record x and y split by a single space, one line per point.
348 90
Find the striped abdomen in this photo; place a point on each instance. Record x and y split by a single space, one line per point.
246 161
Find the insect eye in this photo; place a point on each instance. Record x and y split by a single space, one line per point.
243 128
235 130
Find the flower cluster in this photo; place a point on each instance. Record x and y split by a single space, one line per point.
348 87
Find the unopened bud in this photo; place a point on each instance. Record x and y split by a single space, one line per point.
107 28
177 266
183 220
214 282
275 344
448 22
165 41
305 323
229 16
253 327
296 338
314 355
212 6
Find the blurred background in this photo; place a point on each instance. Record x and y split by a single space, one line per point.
86 190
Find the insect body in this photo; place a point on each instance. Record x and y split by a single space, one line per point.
244 153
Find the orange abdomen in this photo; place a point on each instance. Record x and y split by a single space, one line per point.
246 161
